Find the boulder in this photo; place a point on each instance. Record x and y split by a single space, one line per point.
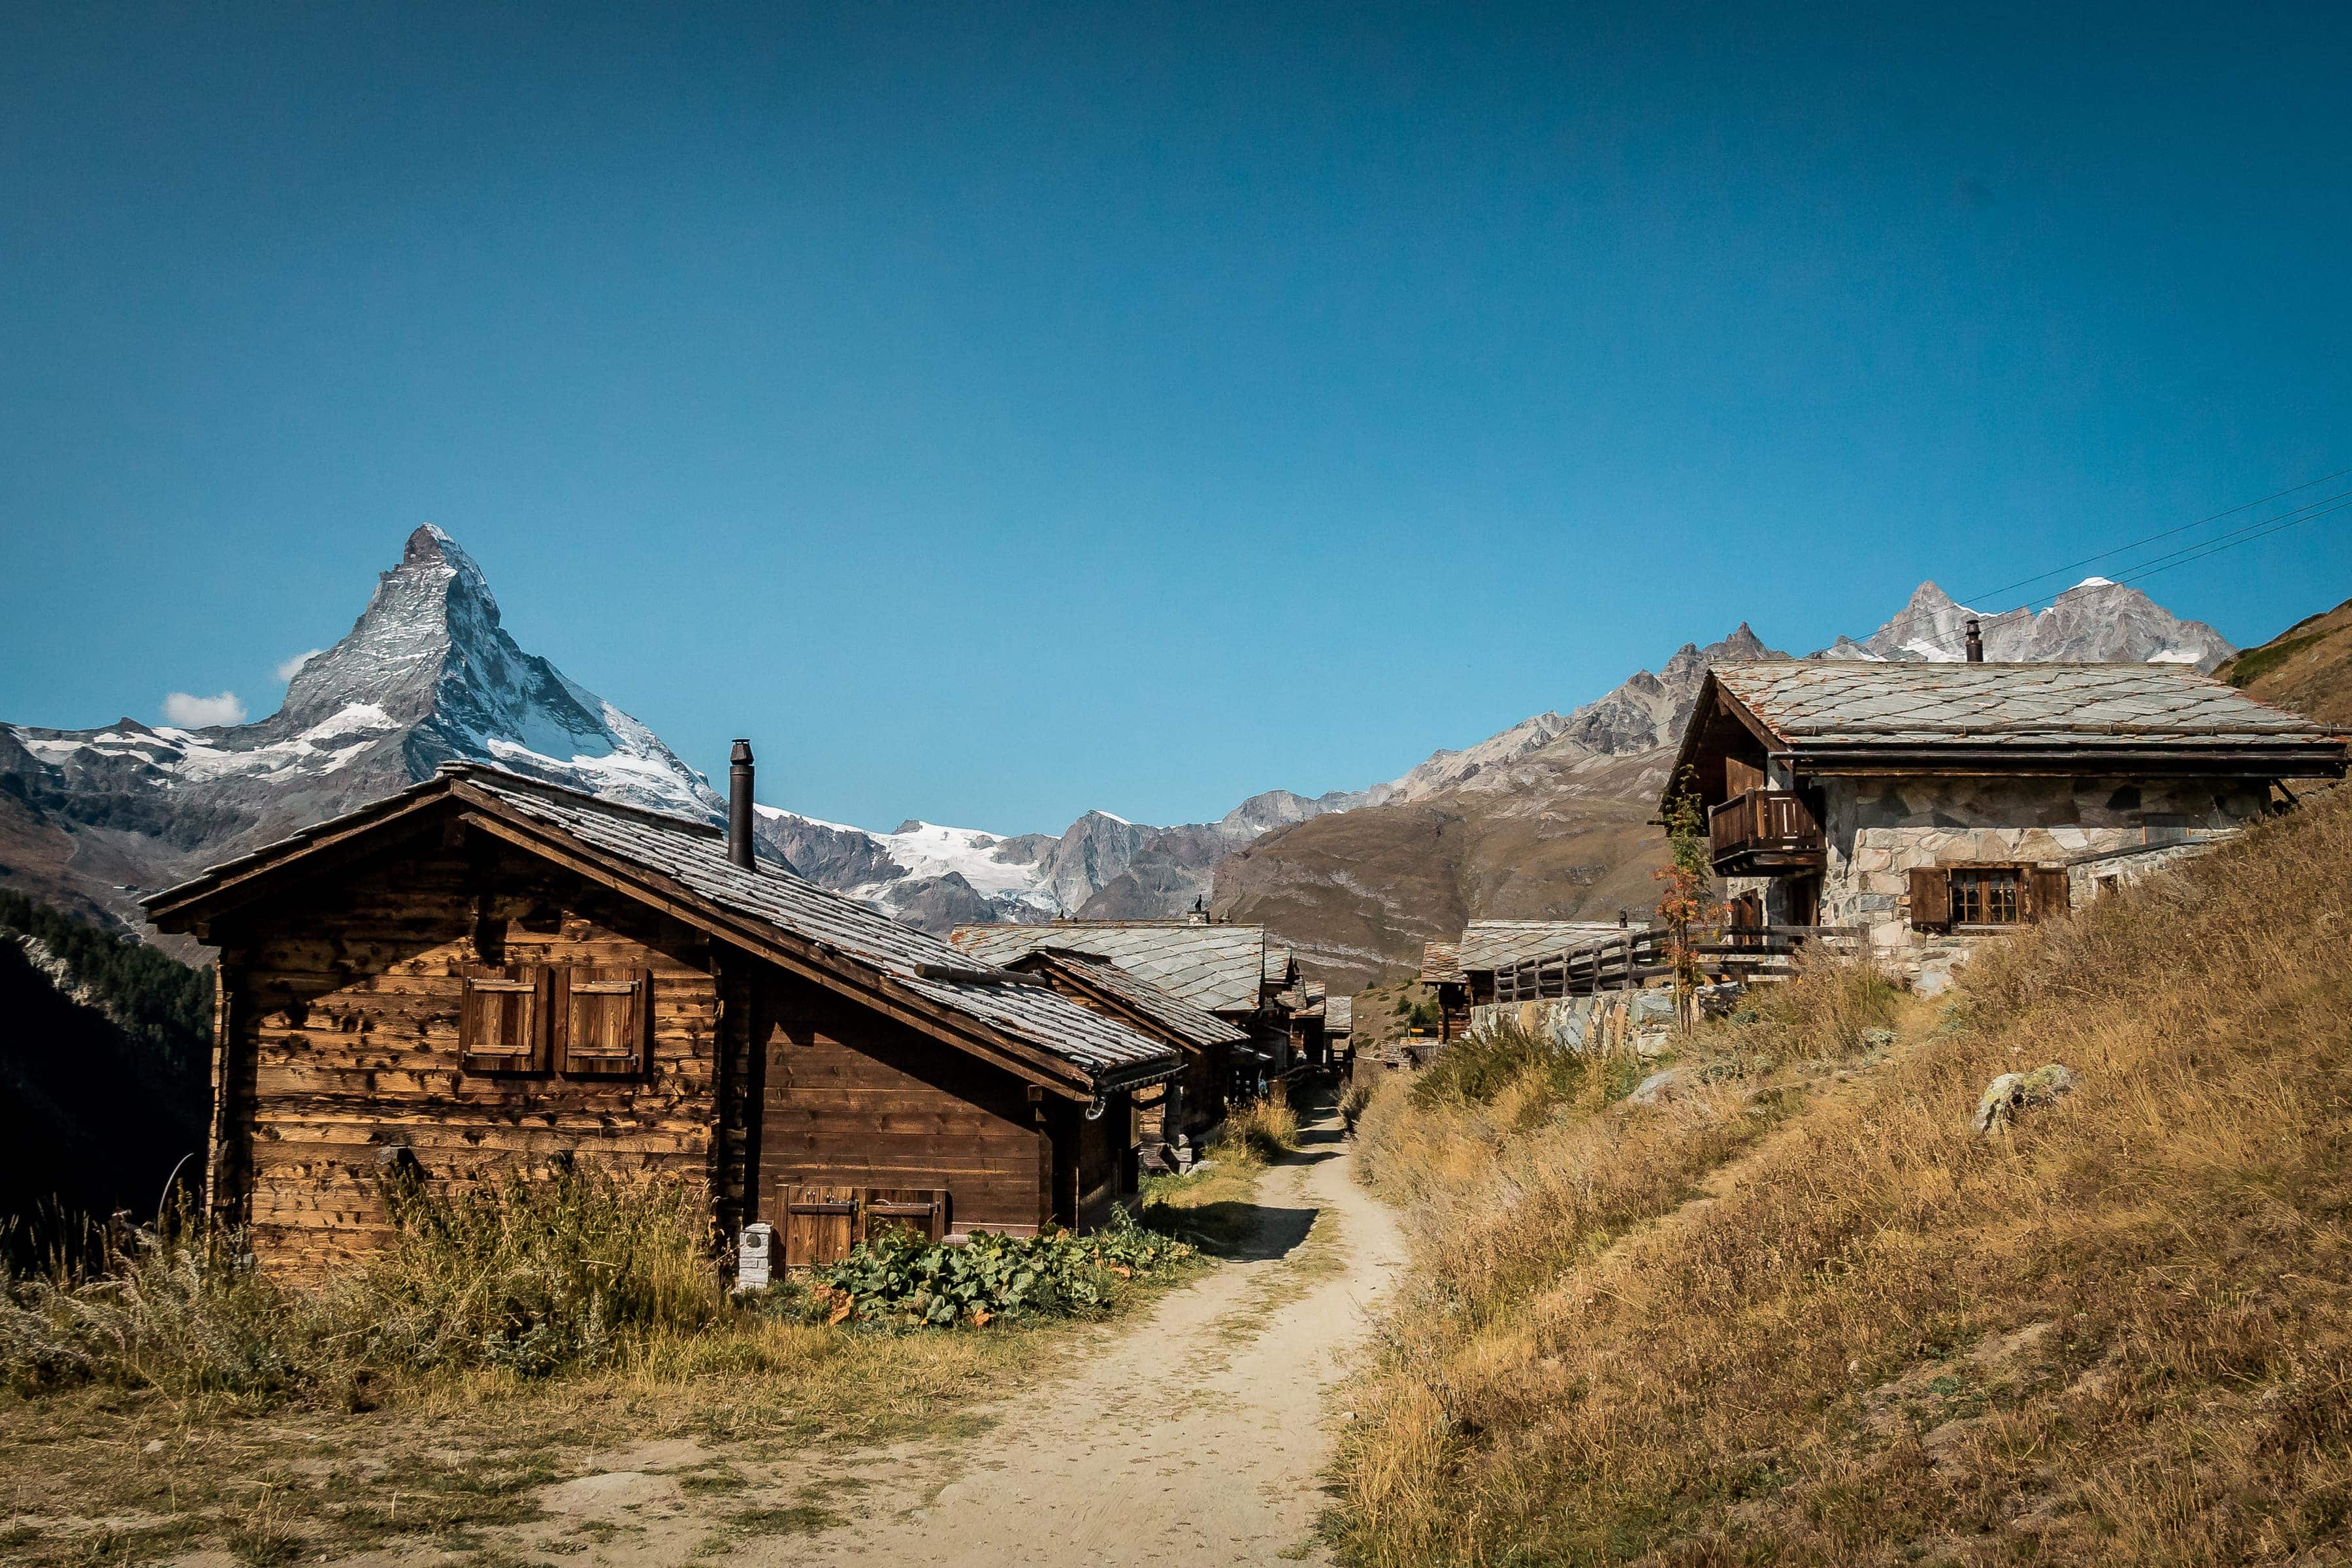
1658 1087
2013 1092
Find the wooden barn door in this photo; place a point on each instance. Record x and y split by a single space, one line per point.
820 1225
823 1223
923 1210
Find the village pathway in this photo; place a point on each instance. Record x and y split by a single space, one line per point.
1199 1435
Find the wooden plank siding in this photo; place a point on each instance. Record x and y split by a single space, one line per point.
853 1099
340 1019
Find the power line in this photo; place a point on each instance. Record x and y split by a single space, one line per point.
2243 533
2137 573
2152 538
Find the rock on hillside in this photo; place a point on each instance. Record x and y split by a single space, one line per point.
2307 668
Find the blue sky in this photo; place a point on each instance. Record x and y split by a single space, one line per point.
999 411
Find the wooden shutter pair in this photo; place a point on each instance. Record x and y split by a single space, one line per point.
2043 889
583 1022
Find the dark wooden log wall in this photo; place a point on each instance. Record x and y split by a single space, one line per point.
342 1023
855 1100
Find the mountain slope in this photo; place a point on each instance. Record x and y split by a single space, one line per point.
2307 668
1555 830
104 1067
1798 1309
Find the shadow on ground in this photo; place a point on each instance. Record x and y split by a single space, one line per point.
1249 1233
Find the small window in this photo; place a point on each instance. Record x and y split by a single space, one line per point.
1946 896
1984 895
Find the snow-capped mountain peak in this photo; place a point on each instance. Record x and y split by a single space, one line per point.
2096 621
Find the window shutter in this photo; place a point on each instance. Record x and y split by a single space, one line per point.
502 1022
1931 898
2051 893
604 1020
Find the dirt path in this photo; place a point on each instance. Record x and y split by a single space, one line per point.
1198 1434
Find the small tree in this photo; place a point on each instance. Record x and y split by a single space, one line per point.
1689 896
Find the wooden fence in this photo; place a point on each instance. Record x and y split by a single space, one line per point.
1622 963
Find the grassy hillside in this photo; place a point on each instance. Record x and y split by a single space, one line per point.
2307 668
1801 1312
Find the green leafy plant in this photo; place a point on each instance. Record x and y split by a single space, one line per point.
899 1280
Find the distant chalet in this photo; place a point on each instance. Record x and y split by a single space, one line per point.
1462 973
482 970
1231 972
1924 805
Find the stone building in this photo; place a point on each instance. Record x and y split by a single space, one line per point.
1924 805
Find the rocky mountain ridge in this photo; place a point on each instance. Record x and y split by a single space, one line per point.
428 673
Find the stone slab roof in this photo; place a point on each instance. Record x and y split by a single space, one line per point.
692 856
1819 705
1339 1014
1498 944
1216 968
1441 964
1172 1013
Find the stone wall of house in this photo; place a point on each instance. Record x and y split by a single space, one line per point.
1639 1021
1879 829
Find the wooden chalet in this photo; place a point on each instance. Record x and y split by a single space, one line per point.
1488 947
1338 1031
1918 806
1227 971
483 971
1205 1040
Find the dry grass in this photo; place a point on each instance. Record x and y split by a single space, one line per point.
509 1336
1804 1314
1264 1130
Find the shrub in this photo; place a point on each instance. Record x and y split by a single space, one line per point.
1476 1067
898 1279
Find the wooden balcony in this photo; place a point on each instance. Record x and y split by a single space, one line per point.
1765 833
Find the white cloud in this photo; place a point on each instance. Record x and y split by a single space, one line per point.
293 667
195 713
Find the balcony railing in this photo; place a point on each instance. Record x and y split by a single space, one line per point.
1764 832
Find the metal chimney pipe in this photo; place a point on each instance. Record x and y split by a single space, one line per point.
1976 642
739 804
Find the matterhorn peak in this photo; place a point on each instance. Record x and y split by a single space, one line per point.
429 661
